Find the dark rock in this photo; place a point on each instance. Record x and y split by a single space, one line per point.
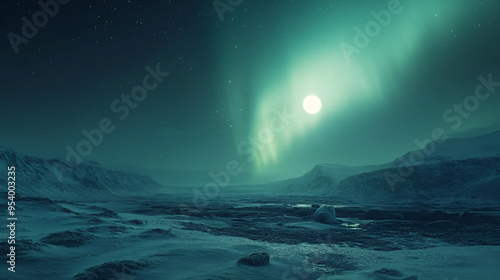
68 238
256 259
107 214
110 229
22 246
66 210
136 222
112 270
34 198
389 272
95 221
28 245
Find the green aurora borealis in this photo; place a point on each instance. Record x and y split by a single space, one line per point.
229 78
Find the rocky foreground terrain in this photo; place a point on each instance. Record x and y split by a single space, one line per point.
155 239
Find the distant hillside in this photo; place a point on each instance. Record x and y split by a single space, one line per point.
470 178
58 179
325 177
460 148
460 167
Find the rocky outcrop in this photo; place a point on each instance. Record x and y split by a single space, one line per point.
256 259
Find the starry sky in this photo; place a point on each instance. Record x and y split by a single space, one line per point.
230 78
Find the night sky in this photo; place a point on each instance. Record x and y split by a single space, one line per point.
237 78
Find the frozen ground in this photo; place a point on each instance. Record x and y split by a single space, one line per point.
87 240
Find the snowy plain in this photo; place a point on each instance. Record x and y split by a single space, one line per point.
88 222
366 244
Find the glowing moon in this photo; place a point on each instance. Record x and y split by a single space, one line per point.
311 104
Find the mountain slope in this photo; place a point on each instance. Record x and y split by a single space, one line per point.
459 148
460 167
325 177
58 179
470 178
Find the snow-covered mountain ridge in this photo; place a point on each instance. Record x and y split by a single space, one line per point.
483 146
458 167
58 179
477 178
